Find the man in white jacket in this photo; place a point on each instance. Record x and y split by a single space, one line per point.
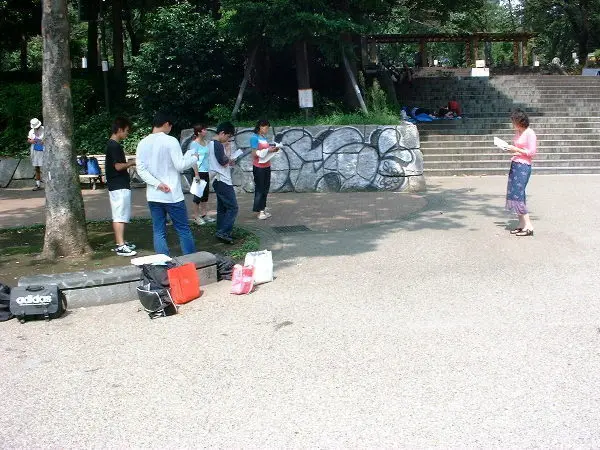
159 163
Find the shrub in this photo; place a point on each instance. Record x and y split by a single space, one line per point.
187 66
21 102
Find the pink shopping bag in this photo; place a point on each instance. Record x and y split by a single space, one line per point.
242 279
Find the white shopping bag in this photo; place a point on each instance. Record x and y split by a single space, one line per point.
197 187
263 265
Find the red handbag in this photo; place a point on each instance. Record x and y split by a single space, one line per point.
184 282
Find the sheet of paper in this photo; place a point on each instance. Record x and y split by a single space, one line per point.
500 143
150 259
236 154
267 158
197 188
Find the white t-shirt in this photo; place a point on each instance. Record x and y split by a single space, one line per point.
159 160
37 133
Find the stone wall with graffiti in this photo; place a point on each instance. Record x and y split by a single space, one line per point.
336 159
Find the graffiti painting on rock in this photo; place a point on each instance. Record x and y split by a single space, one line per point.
336 159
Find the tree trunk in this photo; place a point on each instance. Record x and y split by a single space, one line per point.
133 37
92 36
584 37
117 39
23 55
350 97
302 71
66 233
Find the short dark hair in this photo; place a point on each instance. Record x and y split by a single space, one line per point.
519 117
160 118
198 129
261 123
226 127
120 123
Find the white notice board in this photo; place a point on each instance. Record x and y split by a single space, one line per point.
305 98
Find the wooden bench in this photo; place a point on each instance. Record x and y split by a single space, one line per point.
95 179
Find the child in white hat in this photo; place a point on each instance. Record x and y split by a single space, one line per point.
36 139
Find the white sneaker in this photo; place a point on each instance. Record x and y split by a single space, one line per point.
200 221
124 250
209 219
262 216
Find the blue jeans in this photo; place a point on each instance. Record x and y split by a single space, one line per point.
227 208
178 214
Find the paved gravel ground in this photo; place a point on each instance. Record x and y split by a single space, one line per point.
440 330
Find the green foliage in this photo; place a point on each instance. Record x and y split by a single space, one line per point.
21 102
376 99
563 26
188 65
281 23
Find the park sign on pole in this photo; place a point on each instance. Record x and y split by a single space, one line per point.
305 98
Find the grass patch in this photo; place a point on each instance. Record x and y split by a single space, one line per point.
21 247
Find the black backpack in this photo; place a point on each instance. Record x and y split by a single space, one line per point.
154 292
5 313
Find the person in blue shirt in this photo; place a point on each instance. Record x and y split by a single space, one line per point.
199 145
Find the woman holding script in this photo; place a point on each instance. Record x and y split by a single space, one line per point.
199 145
262 152
523 150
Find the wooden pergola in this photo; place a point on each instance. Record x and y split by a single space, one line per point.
472 42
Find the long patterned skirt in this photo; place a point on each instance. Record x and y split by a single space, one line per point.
518 177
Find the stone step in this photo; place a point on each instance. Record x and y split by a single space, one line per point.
587 92
503 119
504 171
468 133
564 111
500 100
498 109
485 164
557 134
533 114
467 151
493 128
501 156
566 145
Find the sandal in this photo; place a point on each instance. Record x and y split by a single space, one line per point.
516 230
524 233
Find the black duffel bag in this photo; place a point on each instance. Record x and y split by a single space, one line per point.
37 302
5 313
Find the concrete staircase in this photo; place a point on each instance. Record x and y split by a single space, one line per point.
564 112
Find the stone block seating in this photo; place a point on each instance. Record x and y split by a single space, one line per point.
114 284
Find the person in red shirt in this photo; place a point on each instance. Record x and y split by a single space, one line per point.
261 170
454 107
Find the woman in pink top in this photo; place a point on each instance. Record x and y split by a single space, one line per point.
523 150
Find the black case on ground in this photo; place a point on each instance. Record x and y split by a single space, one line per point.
37 302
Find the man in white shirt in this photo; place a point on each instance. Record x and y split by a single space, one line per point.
159 163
